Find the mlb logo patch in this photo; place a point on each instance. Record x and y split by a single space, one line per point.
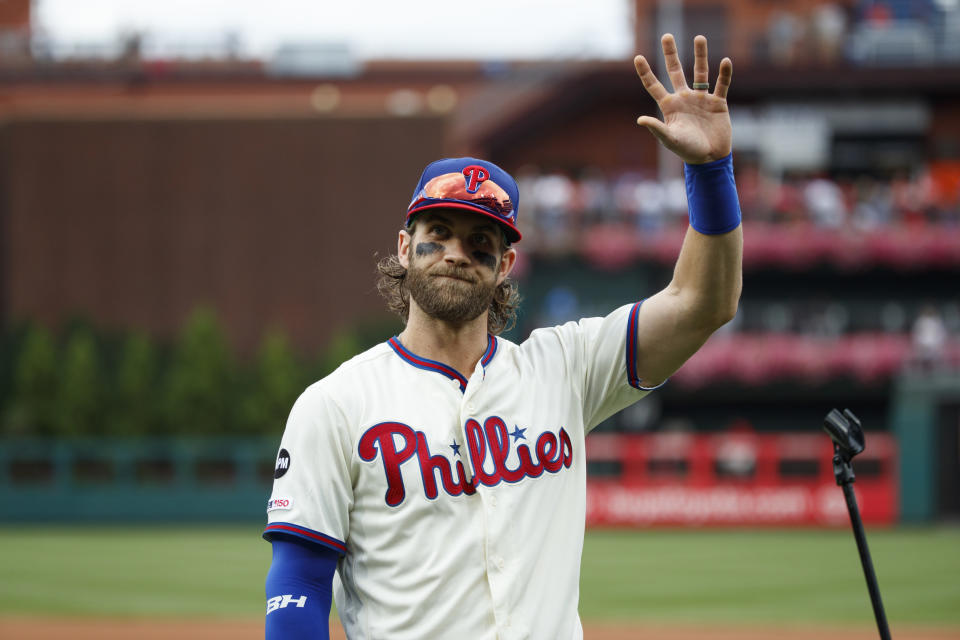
279 504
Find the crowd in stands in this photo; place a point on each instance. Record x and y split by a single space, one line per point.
904 221
930 346
808 343
862 32
558 206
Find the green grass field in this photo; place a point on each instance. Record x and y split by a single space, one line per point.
727 576
796 576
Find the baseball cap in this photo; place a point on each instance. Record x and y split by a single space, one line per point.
471 184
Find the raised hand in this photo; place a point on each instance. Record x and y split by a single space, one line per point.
696 123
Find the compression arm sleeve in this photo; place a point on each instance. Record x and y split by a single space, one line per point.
299 589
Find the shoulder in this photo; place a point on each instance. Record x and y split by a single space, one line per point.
361 363
542 346
577 336
584 326
335 390
560 335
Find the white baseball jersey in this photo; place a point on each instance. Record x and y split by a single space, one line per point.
458 507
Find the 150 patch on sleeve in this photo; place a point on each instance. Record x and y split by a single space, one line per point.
279 504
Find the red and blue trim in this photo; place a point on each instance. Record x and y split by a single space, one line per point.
490 352
439 367
631 353
303 533
631 350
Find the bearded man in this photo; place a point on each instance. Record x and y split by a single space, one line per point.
436 483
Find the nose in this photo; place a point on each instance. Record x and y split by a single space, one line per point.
455 253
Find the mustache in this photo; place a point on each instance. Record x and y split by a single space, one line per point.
459 274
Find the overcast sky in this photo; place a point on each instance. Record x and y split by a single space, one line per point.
486 29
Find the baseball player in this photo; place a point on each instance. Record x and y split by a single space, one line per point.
435 484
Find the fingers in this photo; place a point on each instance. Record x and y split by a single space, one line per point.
723 80
657 128
656 90
674 69
701 70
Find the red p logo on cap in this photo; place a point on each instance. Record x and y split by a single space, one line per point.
474 176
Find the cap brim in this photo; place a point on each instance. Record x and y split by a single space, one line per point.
512 233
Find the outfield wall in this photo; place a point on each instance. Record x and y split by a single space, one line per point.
135 480
674 479
684 479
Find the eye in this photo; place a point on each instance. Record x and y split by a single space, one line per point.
480 239
437 230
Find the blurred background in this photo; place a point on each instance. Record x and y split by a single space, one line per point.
192 201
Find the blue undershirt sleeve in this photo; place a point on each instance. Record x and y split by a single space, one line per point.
299 590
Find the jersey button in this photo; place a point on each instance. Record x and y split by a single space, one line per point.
493 501
470 407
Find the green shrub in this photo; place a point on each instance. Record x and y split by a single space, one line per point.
105 384
31 408
197 390
134 406
277 378
79 401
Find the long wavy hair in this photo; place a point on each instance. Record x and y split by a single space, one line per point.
391 284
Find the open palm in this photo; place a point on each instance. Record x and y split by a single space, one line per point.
696 123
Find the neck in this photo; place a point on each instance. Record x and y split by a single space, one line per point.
460 346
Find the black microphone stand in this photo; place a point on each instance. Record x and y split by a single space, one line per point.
847 435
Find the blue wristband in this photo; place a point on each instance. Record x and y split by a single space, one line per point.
712 196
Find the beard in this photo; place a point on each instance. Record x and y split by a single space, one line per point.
455 301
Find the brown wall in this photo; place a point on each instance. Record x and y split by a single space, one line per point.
605 136
15 14
271 222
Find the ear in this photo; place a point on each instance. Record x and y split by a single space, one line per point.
403 248
507 262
